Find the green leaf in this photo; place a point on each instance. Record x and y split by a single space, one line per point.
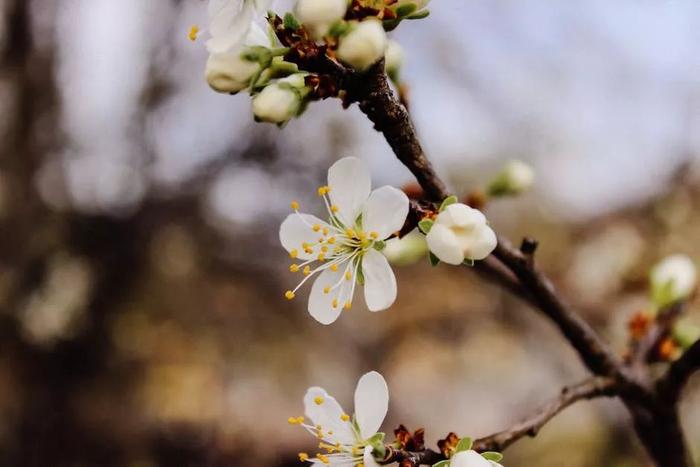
291 22
434 260
405 10
339 28
465 444
441 464
390 24
419 15
492 456
448 201
425 225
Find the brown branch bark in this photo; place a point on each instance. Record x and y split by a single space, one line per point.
672 383
589 389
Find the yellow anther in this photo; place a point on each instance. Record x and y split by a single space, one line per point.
303 457
305 245
192 35
326 290
325 231
308 251
331 240
294 267
316 227
334 267
318 400
294 253
347 305
362 235
307 270
348 275
323 190
323 458
345 417
321 240
294 205
374 235
324 249
292 421
360 465
350 233
289 294
334 208
335 303
321 256
300 420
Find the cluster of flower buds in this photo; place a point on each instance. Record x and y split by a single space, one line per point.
243 57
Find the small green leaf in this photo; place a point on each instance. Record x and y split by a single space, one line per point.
434 260
405 10
492 456
339 28
441 464
425 225
419 15
448 201
465 444
291 22
390 24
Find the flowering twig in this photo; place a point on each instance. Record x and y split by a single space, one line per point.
659 329
589 389
672 383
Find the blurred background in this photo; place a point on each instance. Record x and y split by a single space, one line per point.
142 318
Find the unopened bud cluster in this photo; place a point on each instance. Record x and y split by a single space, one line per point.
247 54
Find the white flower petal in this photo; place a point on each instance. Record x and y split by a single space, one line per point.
444 244
385 211
328 414
295 231
368 458
380 282
469 459
229 26
321 304
371 403
481 243
350 183
461 215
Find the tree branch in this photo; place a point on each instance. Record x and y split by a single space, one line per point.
672 383
589 389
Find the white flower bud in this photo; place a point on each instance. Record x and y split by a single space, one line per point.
364 45
319 15
515 178
229 72
279 101
470 459
393 59
460 233
673 279
406 250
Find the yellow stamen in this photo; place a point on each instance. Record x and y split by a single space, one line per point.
325 231
294 205
323 190
318 400
300 420
294 267
289 294
307 270
348 275
348 305
323 458
350 233
294 253
316 227
324 249
331 240
334 267
374 235
334 208
345 417
335 303
321 257
303 457
192 35
326 290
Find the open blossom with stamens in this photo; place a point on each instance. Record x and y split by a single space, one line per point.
347 441
343 251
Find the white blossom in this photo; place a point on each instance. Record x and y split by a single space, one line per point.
346 439
343 251
319 15
364 45
515 178
278 102
460 233
230 21
393 59
673 279
471 459
230 71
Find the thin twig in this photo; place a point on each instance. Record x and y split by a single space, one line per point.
588 389
672 383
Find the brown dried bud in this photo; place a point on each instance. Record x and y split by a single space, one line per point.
448 445
410 442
